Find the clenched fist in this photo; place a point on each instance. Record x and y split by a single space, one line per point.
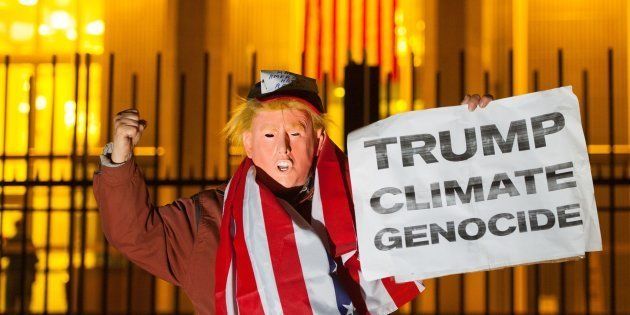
128 128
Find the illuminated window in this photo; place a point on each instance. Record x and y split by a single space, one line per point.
31 32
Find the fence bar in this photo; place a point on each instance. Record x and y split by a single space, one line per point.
180 154
611 187
462 93
204 114
227 118
536 266
198 182
414 302
510 68
585 103
587 275
29 135
162 182
85 187
563 265
73 179
4 152
366 90
130 265
156 160
413 83
325 91
110 115
51 141
388 95
134 90
254 67
486 274
462 74
303 62
438 95
510 72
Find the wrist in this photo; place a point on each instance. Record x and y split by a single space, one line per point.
120 154
106 156
119 159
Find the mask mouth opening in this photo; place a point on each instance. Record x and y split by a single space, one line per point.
283 165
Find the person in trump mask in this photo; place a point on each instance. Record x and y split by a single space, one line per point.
278 238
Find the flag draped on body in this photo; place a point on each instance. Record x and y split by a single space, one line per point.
271 261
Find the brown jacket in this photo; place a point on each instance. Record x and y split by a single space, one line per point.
176 242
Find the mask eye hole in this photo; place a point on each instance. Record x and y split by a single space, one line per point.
269 135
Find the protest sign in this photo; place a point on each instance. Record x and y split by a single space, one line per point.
445 191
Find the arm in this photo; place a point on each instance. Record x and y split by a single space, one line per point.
158 239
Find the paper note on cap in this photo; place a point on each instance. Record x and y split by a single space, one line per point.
273 80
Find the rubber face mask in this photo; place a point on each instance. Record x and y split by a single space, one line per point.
283 144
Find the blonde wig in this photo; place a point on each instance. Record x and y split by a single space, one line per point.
244 114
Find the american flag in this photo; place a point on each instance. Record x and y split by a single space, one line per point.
271 261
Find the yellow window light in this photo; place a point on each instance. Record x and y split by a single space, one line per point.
417 61
21 31
28 2
339 92
95 27
24 108
81 121
401 46
418 104
399 18
401 31
401 106
420 25
71 34
61 20
69 118
69 106
45 30
93 48
40 102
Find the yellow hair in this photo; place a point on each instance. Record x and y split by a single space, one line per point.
244 114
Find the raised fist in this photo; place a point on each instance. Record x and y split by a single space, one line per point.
128 128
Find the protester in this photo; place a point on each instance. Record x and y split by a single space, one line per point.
278 238
20 272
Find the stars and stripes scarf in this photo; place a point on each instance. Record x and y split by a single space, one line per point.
271 261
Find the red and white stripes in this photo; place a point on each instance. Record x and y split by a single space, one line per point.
275 262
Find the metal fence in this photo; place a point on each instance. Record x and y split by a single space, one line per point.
129 297
605 174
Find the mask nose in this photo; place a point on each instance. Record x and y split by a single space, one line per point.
284 147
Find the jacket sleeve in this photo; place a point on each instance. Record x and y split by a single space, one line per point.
158 239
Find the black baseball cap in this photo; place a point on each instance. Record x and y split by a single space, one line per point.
277 83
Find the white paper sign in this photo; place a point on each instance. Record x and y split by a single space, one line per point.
446 191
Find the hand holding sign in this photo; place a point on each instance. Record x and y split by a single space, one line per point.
474 101
461 192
